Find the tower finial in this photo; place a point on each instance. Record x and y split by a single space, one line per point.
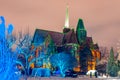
67 18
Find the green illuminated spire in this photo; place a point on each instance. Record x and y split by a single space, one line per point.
67 18
81 32
80 24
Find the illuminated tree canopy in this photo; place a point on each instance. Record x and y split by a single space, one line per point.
63 61
8 69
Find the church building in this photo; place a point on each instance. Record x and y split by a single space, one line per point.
76 43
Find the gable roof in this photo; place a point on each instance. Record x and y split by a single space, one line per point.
57 37
40 35
89 40
70 37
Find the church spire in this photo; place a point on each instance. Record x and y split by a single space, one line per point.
80 24
81 32
67 18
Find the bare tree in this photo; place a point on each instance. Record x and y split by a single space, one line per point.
104 52
63 61
24 50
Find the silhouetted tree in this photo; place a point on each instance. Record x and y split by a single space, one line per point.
85 54
118 62
112 67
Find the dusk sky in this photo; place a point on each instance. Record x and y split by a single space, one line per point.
101 17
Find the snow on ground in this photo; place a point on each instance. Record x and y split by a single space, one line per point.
69 78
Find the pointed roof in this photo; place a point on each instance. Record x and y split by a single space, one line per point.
80 24
70 37
96 46
57 37
89 40
40 35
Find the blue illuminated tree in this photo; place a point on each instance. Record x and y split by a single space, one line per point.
24 51
63 61
8 68
24 42
26 55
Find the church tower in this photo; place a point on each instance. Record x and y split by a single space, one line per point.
81 32
66 26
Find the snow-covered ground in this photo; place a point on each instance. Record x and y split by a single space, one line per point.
108 78
68 78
